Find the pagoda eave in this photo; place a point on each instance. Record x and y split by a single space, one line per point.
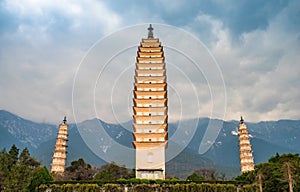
149 144
163 135
150 126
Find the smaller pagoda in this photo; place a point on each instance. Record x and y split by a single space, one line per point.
60 152
246 157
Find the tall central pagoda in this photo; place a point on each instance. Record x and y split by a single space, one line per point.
150 109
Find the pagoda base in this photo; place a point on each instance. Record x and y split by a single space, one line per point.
151 174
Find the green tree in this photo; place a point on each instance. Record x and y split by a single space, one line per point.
4 170
280 173
195 177
79 170
26 159
18 178
206 173
16 171
24 156
39 176
76 164
112 172
13 156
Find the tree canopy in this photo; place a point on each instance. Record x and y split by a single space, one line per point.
18 172
195 177
278 174
79 170
202 174
112 172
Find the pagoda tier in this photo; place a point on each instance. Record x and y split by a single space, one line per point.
146 145
150 49
150 66
150 79
150 109
246 157
150 102
145 128
60 152
150 94
154 72
150 87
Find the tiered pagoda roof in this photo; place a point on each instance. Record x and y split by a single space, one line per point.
60 152
246 157
150 110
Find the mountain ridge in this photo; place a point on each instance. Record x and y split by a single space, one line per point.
267 138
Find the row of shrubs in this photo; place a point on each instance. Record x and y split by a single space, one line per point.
191 187
133 181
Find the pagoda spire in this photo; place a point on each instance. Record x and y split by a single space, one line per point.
246 156
60 152
242 120
65 120
150 32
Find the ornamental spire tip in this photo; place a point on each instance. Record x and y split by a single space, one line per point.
150 32
242 120
65 120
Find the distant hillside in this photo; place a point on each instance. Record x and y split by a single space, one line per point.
76 149
267 138
15 129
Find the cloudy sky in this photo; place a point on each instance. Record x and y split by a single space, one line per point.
52 55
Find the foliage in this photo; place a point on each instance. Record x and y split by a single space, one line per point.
145 187
206 173
188 187
274 174
79 170
27 160
39 176
18 178
17 172
113 188
195 177
113 172
4 167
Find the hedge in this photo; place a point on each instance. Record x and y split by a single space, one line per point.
111 187
145 181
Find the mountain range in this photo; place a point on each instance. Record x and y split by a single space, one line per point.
267 138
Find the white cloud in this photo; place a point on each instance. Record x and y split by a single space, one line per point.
40 56
260 71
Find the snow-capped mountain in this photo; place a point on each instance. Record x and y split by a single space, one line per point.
26 133
267 138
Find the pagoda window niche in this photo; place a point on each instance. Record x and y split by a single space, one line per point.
150 157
